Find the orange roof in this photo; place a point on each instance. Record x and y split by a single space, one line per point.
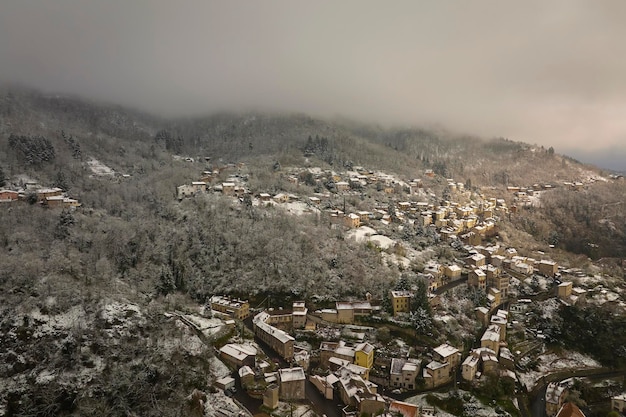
570 410
406 409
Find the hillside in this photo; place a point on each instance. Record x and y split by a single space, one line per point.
92 295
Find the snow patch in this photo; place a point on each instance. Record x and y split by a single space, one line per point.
99 169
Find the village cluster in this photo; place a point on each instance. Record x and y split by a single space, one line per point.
357 370
48 197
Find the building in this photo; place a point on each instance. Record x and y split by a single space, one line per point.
364 355
246 376
278 340
8 195
42 193
548 268
292 381
452 272
469 368
477 260
235 308
491 338
564 290
436 374
401 301
336 350
555 396
404 409
352 221
447 354
299 315
270 397
238 355
354 391
477 278
403 373
618 403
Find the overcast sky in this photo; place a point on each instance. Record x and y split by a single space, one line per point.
548 72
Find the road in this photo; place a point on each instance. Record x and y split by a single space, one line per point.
450 285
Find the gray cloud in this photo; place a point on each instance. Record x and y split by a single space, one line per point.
543 72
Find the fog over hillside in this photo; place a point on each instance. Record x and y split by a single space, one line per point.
546 73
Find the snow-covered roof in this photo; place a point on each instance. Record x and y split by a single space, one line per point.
291 374
446 350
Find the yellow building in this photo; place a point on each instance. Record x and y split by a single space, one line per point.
364 355
401 301
235 308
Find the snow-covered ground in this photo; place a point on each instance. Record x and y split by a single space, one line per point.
99 169
549 363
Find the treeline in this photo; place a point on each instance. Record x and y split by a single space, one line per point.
34 150
596 331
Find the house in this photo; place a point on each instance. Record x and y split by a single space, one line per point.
555 396
436 374
452 272
336 350
489 362
469 368
447 354
281 198
270 396
361 394
404 409
548 268
491 338
299 315
235 308
477 278
342 367
477 260
494 298
564 290
265 197
246 376
198 186
364 355
618 403
42 193
8 195
225 383
482 315
325 384
60 201
342 186
401 301
345 312
498 280
403 373
238 355
228 188
292 381
352 221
